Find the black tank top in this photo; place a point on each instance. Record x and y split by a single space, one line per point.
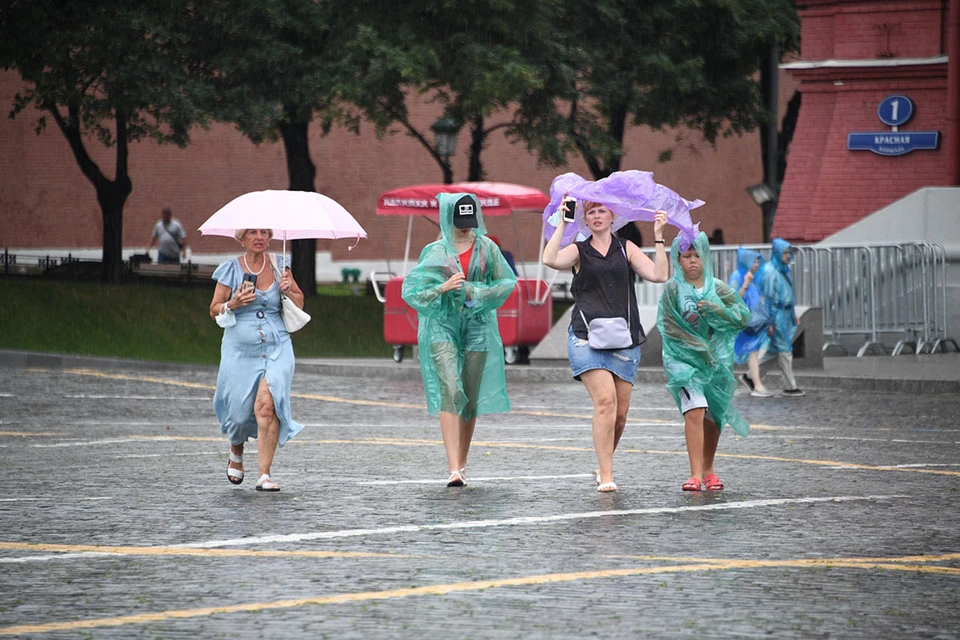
601 288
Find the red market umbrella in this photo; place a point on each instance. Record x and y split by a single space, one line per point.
496 198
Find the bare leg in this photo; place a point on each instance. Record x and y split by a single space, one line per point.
711 438
445 358
603 392
268 427
450 430
236 449
753 364
694 432
473 363
624 389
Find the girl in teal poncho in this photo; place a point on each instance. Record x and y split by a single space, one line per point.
752 341
456 288
698 319
776 285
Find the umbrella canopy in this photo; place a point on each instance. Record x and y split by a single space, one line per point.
293 215
496 198
631 195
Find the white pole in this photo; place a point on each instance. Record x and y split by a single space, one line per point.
406 249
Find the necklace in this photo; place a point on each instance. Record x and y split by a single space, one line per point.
251 270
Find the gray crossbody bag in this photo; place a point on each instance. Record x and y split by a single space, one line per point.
611 333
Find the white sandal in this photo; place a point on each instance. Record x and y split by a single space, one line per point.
266 484
456 479
235 476
607 487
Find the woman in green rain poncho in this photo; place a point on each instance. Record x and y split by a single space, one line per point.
699 318
456 288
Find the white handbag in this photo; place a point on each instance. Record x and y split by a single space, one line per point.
294 318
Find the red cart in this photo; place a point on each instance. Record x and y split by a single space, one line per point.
526 316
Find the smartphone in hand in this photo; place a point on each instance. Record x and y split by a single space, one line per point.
569 210
249 281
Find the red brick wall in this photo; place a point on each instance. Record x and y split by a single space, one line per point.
46 202
828 187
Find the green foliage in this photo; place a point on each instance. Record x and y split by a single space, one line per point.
165 324
89 63
658 63
273 62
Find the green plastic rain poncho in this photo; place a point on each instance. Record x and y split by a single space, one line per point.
698 344
461 354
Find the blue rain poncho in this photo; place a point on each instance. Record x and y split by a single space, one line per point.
776 285
756 337
461 354
698 344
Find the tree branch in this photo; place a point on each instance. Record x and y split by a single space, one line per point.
71 131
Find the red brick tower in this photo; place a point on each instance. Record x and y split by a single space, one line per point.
855 55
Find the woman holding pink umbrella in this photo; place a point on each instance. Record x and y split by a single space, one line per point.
256 357
252 399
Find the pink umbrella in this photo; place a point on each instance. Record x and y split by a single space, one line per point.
293 215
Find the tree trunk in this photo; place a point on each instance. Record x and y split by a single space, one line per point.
302 174
477 136
769 88
112 196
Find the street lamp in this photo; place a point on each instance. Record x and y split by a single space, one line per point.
445 132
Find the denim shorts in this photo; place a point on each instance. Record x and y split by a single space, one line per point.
622 363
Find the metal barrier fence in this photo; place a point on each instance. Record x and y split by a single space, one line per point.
868 290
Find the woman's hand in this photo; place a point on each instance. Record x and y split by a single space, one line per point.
286 282
659 222
747 279
243 296
453 282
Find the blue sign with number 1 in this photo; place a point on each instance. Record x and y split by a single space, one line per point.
894 111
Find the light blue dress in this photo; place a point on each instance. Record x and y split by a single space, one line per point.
257 346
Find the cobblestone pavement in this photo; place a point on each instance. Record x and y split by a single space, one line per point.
839 519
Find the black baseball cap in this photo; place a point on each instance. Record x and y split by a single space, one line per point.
465 213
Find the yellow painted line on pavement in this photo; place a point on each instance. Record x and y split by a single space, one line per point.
35 434
180 551
402 442
461 587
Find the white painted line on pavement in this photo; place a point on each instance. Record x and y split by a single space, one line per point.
850 438
167 455
476 524
470 524
919 465
472 479
48 499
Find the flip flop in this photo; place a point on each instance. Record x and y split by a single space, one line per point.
607 487
266 484
712 482
693 484
235 476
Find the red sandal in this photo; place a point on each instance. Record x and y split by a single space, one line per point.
712 483
693 484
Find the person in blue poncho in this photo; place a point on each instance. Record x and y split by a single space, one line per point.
776 285
459 282
252 399
699 318
752 341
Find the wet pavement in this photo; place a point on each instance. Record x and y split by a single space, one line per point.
839 519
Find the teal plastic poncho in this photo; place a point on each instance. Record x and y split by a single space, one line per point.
461 354
756 337
698 343
776 285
